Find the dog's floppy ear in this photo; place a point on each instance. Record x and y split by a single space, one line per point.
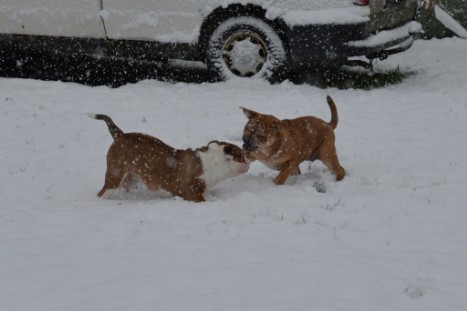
228 149
249 113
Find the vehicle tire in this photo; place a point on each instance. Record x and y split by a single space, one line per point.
245 47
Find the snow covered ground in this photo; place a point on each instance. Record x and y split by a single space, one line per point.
391 236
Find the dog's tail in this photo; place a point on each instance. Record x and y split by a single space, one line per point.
113 129
334 117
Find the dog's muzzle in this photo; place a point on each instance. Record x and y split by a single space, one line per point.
248 144
245 167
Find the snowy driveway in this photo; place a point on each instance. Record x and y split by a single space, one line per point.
391 236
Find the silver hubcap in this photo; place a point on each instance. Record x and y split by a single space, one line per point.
245 53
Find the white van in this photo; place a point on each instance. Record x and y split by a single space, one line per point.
245 38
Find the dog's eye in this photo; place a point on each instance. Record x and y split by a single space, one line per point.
229 157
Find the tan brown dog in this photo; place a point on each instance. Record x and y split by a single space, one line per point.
185 173
283 144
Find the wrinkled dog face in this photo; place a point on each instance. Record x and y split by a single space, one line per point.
222 160
260 130
235 158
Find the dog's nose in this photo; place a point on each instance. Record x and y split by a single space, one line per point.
247 143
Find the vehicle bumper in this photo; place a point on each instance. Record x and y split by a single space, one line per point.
313 44
385 43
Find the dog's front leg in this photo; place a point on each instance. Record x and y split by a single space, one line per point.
286 169
194 197
193 191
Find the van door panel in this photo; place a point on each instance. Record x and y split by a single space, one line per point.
161 20
68 18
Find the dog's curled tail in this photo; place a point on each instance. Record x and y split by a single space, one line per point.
334 117
113 129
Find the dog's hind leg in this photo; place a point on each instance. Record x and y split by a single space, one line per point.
113 179
130 182
328 155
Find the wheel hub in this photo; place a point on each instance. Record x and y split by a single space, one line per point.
245 53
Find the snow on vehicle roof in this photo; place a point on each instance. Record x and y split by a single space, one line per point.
294 4
293 12
321 17
303 12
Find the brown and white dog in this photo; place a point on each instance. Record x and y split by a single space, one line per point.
283 144
185 173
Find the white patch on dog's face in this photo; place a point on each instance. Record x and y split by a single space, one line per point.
219 165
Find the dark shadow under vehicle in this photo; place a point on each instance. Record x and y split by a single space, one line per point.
115 73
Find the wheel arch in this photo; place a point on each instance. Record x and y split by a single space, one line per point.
221 14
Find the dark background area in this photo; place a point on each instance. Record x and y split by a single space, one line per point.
117 72
92 71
